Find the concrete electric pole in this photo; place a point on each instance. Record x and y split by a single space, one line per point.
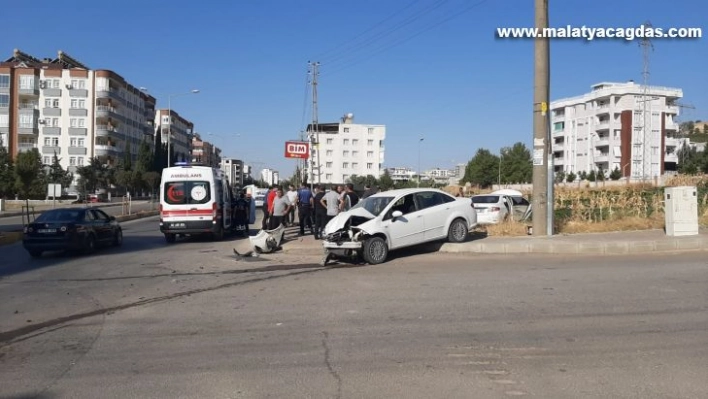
542 205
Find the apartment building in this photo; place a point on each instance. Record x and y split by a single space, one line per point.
401 174
604 129
60 106
233 169
181 130
341 150
205 152
270 176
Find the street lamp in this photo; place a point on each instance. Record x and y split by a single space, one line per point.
419 141
169 121
501 154
624 166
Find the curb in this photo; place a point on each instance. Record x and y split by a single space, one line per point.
548 246
11 237
19 213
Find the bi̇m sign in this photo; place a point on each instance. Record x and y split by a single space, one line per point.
297 149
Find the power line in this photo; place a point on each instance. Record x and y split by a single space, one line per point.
374 26
404 40
348 50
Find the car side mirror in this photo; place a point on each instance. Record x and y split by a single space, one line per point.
112 218
396 214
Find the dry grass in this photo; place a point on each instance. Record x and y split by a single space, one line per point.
507 228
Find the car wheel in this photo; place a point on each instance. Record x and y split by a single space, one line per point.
170 238
35 254
118 239
458 231
375 250
90 244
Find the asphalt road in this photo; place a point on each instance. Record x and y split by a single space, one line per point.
14 223
192 321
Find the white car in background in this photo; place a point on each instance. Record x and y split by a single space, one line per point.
397 219
496 207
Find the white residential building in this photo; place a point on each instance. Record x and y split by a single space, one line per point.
401 174
345 149
182 131
604 129
233 169
270 176
65 108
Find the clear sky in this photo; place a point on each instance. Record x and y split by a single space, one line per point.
428 67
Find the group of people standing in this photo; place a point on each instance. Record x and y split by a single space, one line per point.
314 208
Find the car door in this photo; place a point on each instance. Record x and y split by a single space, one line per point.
430 206
408 229
102 225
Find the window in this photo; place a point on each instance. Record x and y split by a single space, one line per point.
355 142
81 142
82 122
328 176
369 154
55 103
355 165
80 161
4 81
187 192
369 165
355 154
4 120
346 141
26 121
346 130
76 103
47 103
369 142
72 161
54 122
329 153
345 165
371 130
345 153
328 165
47 161
27 82
329 141
345 177
72 143
55 83
78 83
51 141
4 100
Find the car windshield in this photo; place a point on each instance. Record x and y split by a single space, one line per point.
375 205
60 215
485 199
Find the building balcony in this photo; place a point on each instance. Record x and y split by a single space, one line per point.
105 130
601 142
78 93
51 92
28 130
105 111
50 149
673 157
559 161
25 91
105 150
77 151
78 131
51 111
601 157
51 131
671 125
109 93
602 125
24 147
672 109
78 112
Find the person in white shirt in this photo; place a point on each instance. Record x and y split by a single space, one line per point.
292 198
331 202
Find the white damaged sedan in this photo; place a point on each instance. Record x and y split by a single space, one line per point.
397 219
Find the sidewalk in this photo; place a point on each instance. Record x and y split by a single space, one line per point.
612 243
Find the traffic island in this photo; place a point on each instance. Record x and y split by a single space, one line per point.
7 238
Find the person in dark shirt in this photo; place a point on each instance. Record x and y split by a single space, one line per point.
320 212
350 197
241 212
304 206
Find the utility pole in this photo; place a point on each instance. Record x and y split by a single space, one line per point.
315 136
647 136
542 202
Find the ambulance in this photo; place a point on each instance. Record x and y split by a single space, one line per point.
194 200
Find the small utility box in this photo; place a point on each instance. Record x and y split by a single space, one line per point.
681 211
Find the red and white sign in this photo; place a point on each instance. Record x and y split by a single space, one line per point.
297 149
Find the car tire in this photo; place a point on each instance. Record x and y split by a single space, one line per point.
118 239
90 244
458 231
375 250
35 254
170 238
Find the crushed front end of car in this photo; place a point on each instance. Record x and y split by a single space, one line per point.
344 235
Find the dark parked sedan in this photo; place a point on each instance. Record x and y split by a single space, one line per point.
71 229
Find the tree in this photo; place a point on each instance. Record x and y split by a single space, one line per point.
58 175
385 181
571 177
152 179
159 157
559 176
145 157
482 169
127 157
30 176
616 174
516 164
7 173
690 161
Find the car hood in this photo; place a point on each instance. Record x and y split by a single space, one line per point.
338 222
